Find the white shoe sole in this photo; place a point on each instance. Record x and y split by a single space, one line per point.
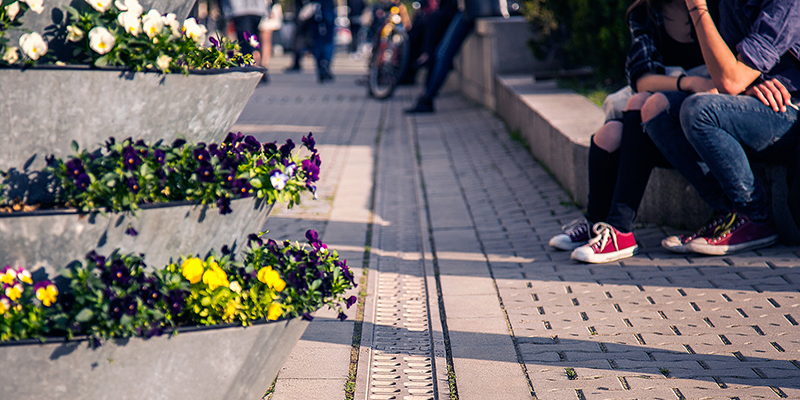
673 244
587 255
701 246
563 242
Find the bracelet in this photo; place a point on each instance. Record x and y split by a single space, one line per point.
695 8
678 83
703 11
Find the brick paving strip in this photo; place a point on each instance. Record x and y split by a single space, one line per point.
464 299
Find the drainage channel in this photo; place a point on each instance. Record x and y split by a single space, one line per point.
401 366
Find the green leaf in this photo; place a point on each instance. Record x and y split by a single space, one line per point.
74 146
101 62
256 183
84 315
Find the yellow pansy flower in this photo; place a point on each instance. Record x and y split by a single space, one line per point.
47 294
192 269
14 292
271 278
274 311
215 277
9 276
5 305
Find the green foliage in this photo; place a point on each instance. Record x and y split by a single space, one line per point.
582 33
118 296
123 175
166 49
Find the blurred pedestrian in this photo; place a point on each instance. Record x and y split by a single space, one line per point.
355 8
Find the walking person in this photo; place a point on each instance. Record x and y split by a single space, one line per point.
322 32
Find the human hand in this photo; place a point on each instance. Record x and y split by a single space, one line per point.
772 93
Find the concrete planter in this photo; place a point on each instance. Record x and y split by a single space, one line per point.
53 238
214 363
44 109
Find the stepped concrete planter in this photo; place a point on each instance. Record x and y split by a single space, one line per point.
51 239
44 109
209 363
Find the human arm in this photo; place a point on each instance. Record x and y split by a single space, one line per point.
662 83
729 73
404 17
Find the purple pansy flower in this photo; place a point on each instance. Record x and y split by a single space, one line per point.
309 142
205 172
75 167
130 158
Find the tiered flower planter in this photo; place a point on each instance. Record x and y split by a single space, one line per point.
209 363
42 111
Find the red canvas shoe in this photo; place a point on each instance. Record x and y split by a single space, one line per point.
609 244
736 233
677 243
574 234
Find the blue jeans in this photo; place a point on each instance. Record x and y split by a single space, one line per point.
323 36
453 38
720 134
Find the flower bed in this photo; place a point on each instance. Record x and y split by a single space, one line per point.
154 198
117 296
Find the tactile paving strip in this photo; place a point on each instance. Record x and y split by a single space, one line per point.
400 367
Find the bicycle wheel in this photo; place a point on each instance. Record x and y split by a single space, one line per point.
389 62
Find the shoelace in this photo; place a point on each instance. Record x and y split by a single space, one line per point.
712 223
575 228
603 233
725 227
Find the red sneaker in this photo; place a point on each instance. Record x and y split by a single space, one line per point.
608 244
736 233
677 243
573 234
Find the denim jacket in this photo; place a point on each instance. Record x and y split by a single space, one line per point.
766 33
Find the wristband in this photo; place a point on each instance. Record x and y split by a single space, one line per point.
678 83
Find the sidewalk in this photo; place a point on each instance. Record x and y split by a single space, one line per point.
447 219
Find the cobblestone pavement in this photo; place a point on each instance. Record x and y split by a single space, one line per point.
461 296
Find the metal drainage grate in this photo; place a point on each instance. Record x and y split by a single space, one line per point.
401 360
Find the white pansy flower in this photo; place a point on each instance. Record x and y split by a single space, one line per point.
194 31
254 42
36 6
131 6
163 62
152 24
235 287
171 20
33 45
74 33
100 5
101 40
130 22
11 55
12 10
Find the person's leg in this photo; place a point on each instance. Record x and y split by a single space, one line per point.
603 168
722 128
456 33
266 47
249 24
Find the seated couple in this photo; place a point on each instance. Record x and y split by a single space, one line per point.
707 128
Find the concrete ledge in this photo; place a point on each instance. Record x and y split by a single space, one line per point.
558 123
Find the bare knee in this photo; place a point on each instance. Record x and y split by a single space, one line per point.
609 136
654 105
637 101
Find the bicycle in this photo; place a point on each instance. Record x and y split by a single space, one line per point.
389 60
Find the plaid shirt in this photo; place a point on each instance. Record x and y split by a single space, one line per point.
643 55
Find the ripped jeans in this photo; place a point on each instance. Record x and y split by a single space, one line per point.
711 138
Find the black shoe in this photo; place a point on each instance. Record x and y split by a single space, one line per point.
293 68
264 79
423 106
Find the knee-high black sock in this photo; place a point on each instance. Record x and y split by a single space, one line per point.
603 168
638 156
